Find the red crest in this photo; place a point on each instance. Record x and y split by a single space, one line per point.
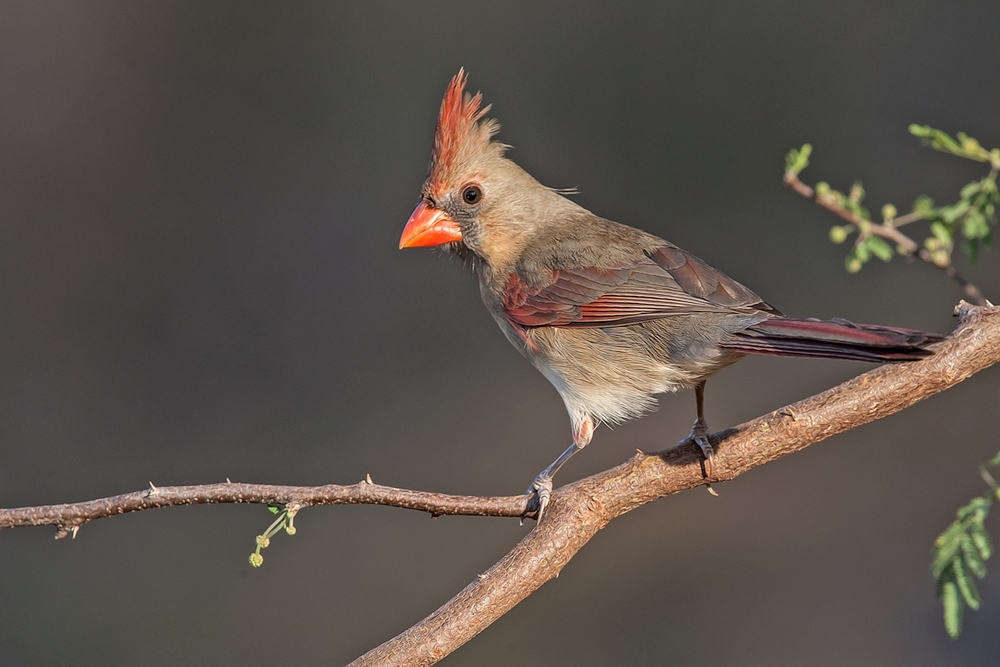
458 127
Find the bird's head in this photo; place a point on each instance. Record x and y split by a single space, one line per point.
474 199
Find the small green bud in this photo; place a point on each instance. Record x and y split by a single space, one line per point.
838 234
857 192
263 542
969 145
889 213
290 530
256 560
924 206
822 189
797 159
853 265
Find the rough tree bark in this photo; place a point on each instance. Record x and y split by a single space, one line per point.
579 510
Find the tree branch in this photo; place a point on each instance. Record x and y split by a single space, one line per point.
579 510
69 517
890 233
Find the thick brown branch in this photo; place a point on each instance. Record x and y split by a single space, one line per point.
579 510
889 233
71 516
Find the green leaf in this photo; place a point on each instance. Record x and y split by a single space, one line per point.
941 232
966 586
981 539
960 553
965 146
943 142
971 559
953 212
976 508
971 189
879 248
946 548
976 230
952 608
798 159
862 253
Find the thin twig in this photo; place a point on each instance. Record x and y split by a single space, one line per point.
69 517
890 233
912 216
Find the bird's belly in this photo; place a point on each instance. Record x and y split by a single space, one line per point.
614 373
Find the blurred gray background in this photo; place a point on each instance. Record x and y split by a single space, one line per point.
200 205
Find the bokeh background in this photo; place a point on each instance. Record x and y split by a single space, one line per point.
200 205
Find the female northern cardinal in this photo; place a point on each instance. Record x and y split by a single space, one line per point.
609 314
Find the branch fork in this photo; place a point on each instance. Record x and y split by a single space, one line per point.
580 509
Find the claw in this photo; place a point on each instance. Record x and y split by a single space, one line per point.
541 489
699 437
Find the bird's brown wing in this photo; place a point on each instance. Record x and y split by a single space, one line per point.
664 282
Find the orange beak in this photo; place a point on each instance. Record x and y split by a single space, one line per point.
429 226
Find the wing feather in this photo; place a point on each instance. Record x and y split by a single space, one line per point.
665 282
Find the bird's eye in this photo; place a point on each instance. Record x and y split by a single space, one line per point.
472 194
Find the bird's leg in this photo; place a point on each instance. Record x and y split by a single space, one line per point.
699 432
541 488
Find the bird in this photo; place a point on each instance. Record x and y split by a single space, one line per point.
611 315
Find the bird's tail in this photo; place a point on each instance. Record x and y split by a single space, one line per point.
832 339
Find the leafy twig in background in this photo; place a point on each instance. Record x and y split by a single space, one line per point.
967 219
960 552
285 521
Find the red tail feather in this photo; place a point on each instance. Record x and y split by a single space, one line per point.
832 339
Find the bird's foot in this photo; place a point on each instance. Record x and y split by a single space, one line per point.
699 437
541 489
